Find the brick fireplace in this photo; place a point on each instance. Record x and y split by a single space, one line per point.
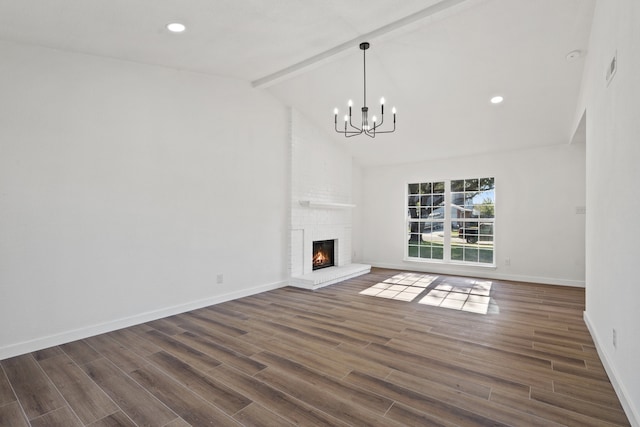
321 209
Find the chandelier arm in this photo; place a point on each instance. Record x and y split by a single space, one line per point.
354 127
351 134
388 131
379 125
346 132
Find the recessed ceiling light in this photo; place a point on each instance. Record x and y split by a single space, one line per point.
497 99
176 27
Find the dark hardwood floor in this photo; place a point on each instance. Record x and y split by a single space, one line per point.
330 357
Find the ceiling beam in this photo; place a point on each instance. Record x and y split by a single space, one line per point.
316 60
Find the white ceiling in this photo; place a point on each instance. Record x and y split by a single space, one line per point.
438 61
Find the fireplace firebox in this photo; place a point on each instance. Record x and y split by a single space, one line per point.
323 254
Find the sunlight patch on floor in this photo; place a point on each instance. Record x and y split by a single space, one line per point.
472 296
403 286
462 294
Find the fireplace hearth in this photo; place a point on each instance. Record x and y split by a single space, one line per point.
323 254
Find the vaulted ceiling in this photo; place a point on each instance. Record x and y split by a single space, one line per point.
438 61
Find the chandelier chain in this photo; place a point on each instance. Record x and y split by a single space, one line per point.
364 65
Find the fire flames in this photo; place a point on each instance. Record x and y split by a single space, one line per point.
320 258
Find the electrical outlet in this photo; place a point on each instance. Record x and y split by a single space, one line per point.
219 278
615 339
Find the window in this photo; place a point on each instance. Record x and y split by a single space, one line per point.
451 221
426 202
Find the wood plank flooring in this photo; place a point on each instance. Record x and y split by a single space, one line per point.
328 357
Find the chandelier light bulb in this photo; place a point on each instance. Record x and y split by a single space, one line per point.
393 110
374 118
335 111
346 118
382 100
350 103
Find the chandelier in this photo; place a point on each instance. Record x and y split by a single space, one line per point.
369 129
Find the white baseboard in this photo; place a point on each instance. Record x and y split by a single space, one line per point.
101 328
632 412
483 272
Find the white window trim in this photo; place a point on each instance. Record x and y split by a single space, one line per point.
446 259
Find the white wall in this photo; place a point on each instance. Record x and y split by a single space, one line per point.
537 228
357 218
613 174
125 189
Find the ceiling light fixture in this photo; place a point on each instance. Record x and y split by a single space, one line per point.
497 99
176 27
365 128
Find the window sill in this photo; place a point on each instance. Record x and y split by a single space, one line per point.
443 262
